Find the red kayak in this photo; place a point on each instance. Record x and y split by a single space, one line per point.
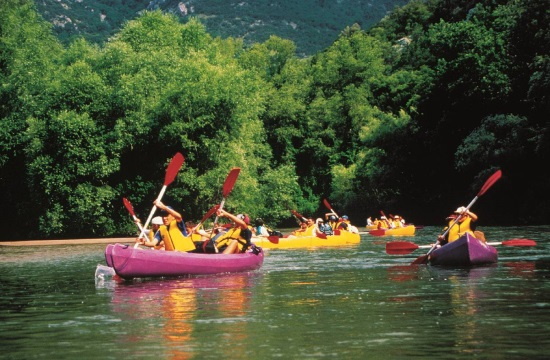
129 262
467 250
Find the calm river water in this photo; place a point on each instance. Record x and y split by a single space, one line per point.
348 303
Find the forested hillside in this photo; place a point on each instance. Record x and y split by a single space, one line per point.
409 117
311 24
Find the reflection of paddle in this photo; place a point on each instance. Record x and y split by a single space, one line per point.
130 209
493 179
327 204
171 171
406 247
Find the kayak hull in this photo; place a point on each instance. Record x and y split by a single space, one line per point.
344 238
408 230
129 262
465 251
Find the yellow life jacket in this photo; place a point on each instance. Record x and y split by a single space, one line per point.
174 239
459 229
310 231
231 234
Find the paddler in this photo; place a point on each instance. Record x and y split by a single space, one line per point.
460 227
152 239
174 233
237 238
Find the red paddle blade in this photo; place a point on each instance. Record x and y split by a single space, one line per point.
230 181
377 232
401 245
519 242
420 260
128 206
327 204
210 212
298 215
173 168
493 179
273 239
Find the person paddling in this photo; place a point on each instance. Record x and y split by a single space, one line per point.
153 239
460 227
236 239
173 233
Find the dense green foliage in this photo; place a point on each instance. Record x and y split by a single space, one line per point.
410 117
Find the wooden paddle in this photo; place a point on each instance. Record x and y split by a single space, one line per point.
171 171
130 209
406 247
493 179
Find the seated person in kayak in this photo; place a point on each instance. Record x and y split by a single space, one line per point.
237 238
462 226
383 223
152 236
322 228
173 233
259 228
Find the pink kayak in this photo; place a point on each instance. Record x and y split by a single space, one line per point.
465 251
129 262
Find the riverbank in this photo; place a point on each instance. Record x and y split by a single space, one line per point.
68 242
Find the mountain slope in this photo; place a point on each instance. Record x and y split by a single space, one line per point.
311 24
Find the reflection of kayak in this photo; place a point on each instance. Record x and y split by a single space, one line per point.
467 250
344 238
129 262
405 230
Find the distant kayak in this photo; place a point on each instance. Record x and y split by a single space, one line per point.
402 231
342 237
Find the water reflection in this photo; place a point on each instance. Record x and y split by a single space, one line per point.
176 312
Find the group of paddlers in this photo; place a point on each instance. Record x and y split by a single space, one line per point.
320 227
169 232
391 222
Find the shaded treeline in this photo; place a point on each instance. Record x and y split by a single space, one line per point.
409 117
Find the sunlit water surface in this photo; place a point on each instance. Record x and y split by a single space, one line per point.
352 302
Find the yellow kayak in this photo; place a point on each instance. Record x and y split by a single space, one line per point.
406 230
271 242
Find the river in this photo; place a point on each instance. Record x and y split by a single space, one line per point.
354 302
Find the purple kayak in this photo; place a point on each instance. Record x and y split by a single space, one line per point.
467 250
129 262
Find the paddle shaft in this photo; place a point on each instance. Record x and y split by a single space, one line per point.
406 247
327 204
161 194
171 171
